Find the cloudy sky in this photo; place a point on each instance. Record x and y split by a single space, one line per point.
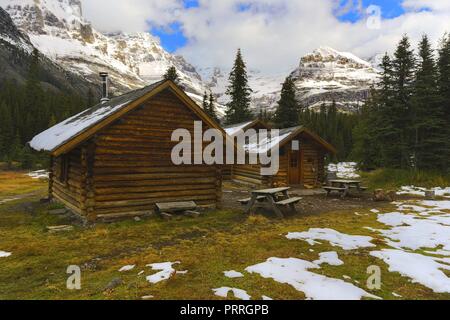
273 34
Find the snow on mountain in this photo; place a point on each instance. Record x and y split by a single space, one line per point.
266 88
57 28
323 76
327 75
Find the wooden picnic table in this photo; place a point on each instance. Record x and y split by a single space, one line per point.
344 186
271 196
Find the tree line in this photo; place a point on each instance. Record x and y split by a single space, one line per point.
28 109
405 123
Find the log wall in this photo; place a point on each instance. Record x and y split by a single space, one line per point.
127 166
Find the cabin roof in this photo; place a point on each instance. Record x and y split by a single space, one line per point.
233 129
71 132
284 137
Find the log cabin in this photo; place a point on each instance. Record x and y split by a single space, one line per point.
114 159
302 158
233 131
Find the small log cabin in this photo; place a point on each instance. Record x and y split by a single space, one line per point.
302 159
233 131
114 159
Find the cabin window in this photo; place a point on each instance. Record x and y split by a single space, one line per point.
64 169
295 145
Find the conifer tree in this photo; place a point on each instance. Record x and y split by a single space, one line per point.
444 92
238 109
212 108
171 74
427 121
286 115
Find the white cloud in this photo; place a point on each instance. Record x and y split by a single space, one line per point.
273 34
130 15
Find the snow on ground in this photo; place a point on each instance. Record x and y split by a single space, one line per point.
418 229
238 293
165 269
233 274
421 225
337 239
8 200
4 254
295 272
344 170
420 268
127 268
39 174
418 191
330 258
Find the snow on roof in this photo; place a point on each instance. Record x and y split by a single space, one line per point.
61 133
233 129
269 142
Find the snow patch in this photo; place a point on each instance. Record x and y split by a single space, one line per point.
330 258
419 191
419 268
295 272
4 254
127 268
238 293
344 170
166 271
337 239
39 174
233 274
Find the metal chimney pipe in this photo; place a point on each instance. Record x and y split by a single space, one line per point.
104 76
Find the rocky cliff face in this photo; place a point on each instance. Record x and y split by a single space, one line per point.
15 54
58 29
327 75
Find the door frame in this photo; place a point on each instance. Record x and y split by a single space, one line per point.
300 165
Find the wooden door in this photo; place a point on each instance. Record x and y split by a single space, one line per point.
294 167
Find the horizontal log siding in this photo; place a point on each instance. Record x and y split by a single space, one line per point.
312 160
133 169
69 192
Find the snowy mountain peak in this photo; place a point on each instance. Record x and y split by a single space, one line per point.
58 29
328 54
327 75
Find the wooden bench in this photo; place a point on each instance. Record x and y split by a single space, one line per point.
289 201
174 207
331 189
359 188
247 200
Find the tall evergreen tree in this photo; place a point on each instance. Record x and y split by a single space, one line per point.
400 111
444 92
286 115
238 109
212 108
171 74
427 121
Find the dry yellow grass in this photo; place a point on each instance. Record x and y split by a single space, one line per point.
205 246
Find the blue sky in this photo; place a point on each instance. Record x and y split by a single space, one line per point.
172 37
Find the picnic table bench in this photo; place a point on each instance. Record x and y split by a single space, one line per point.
344 186
272 197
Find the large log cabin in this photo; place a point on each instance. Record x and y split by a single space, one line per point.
302 158
114 159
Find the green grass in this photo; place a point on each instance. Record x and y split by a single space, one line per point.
205 246
393 179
